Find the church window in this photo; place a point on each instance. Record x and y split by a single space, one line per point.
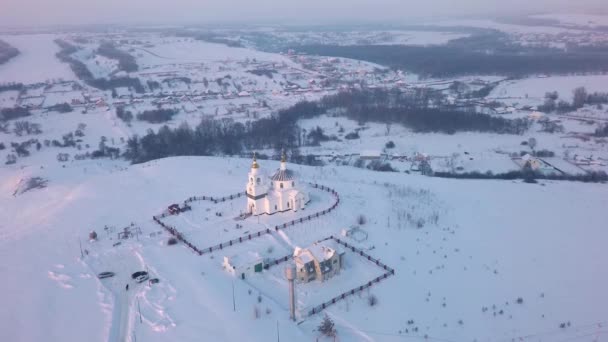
293 183
258 180
281 185
288 205
275 207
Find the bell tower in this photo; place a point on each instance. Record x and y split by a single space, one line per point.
257 189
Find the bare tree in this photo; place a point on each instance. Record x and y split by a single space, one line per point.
327 327
580 97
532 143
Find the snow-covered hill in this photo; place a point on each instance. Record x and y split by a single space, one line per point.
463 252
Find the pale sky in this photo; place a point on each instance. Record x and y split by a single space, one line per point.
51 12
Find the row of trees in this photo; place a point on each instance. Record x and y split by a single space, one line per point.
222 137
7 52
229 137
83 73
490 53
528 175
421 110
580 98
13 113
11 86
126 62
153 115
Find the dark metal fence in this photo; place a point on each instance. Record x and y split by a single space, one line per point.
388 272
214 199
173 231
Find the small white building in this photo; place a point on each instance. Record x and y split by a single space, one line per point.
281 192
319 261
243 264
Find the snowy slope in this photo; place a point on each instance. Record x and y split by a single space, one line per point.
36 61
494 241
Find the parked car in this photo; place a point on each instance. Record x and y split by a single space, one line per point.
140 276
174 209
103 275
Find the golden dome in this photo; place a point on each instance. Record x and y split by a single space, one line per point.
255 162
283 157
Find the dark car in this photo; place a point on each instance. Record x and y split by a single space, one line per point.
103 275
140 276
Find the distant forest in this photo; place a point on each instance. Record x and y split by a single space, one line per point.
421 110
488 54
84 74
7 52
126 62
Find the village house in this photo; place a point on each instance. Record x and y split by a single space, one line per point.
319 261
534 163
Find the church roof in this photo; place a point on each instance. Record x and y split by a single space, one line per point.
283 175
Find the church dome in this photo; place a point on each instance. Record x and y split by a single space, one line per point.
283 175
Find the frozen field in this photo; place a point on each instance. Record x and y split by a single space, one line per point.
180 51
577 19
532 90
36 62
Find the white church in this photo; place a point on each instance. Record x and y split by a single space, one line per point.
282 193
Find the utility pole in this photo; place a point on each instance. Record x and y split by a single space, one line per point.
290 274
233 300
278 337
139 309
80 244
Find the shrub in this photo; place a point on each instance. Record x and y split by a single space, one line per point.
157 115
327 327
544 154
372 300
13 113
379 166
172 241
361 219
390 144
602 131
61 108
124 115
352 136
